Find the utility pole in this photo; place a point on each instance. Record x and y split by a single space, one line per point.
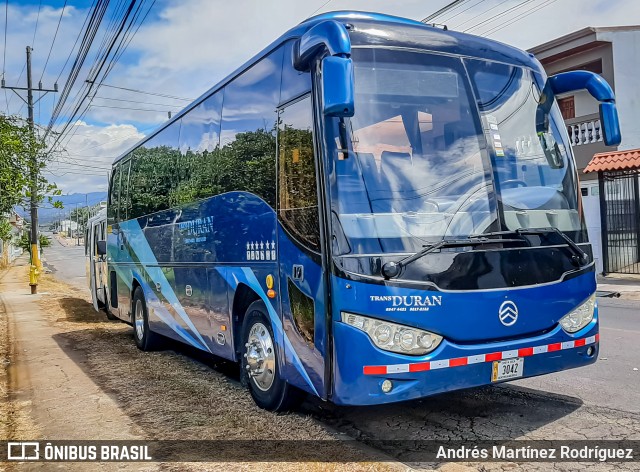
35 255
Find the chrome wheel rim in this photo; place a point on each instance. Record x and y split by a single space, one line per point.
261 357
139 320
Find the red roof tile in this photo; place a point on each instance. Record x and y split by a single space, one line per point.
617 160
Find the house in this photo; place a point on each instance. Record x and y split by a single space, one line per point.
613 53
9 250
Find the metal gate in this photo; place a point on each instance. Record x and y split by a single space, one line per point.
620 213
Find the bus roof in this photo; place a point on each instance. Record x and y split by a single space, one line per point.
457 43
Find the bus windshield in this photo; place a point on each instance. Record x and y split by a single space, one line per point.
442 147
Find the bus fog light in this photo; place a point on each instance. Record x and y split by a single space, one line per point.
394 337
387 385
579 317
591 351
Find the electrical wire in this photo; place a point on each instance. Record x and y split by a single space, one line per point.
4 54
499 15
444 20
449 7
139 101
129 108
123 28
54 39
36 28
148 93
76 41
321 7
457 26
519 17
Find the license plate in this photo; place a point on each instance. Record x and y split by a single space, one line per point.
507 369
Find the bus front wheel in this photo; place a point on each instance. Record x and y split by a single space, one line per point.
260 370
146 340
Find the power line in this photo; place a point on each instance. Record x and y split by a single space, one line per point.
116 41
451 6
4 54
495 17
522 15
36 28
321 7
138 101
92 25
54 40
122 46
129 108
479 15
444 20
148 93
76 41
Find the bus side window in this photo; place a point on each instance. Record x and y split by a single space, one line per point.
114 195
298 199
248 131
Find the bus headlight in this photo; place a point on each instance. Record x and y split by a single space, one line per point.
579 317
394 337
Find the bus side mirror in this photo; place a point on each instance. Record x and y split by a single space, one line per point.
101 248
337 86
331 38
600 90
610 124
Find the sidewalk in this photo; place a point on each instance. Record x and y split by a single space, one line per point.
58 399
628 285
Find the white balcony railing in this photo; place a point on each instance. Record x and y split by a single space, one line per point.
586 132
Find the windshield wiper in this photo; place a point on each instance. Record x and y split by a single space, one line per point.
392 269
579 257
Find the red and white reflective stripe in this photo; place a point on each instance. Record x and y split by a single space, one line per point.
479 358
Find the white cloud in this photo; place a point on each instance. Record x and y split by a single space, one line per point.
84 165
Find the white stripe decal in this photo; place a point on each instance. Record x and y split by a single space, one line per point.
475 359
509 354
394 369
540 349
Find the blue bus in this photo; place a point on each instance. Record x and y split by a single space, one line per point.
370 210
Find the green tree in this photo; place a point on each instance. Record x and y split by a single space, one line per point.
22 155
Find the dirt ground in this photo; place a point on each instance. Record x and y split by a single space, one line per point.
160 395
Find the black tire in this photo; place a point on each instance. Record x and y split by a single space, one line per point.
279 395
145 339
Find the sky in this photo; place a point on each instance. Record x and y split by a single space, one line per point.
184 47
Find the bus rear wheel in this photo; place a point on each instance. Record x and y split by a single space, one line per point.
260 370
146 340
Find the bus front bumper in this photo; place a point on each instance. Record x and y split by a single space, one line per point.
360 368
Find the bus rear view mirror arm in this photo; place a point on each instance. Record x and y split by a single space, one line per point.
330 37
101 248
600 90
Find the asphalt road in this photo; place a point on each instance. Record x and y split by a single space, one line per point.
67 263
611 381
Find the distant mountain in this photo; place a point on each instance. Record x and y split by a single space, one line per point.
47 215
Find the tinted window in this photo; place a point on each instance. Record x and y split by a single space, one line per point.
154 175
248 144
124 205
298 202
294 83
199 171
114 196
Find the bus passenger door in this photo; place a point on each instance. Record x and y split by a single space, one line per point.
99 264
302 287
